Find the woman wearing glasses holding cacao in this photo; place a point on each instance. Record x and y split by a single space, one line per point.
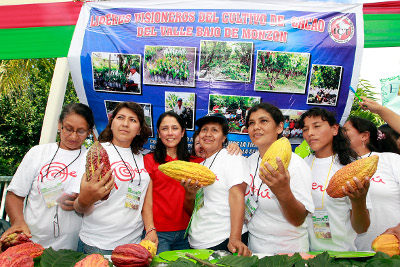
44 177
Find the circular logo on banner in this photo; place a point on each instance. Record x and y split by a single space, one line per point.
341 29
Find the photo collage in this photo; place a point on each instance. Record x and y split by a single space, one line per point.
228 61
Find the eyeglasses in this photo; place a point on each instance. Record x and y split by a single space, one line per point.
69 131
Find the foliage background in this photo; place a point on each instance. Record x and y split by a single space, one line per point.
24 89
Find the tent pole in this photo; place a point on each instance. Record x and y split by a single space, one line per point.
55 101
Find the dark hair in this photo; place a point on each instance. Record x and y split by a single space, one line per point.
79 109
340 144
275 113
224 125
182 151
387 144
139 140
386 129
195 134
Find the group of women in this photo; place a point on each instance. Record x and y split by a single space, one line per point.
249 208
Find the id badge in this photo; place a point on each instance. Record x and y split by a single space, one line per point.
51 190
133 196
321 225
250 208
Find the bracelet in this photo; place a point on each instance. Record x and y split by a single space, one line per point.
152 229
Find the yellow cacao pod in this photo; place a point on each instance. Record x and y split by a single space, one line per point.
386 243
361 168
179 170
150 246
280 148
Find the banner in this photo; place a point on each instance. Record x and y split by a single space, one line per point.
200 57
391 93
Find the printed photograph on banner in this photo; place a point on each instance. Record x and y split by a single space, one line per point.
234 108
116 73
169 65
225 61
324 85
148 116
182 104
291 128
282 72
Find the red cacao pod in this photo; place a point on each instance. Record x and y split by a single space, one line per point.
93 260
29 248
131 255
96 156
16 260
13 240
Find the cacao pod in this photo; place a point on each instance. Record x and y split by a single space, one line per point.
131 255
386 243
96 156
93 260
359 168
179 170
28 248
150 246
13 240
16 260
280 148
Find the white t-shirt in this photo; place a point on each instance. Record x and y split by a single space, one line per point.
179 110
26 182
112 224
269 231
338 209
211 224
135 78
384 192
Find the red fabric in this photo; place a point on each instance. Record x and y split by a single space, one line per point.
39 15
168 197
392 7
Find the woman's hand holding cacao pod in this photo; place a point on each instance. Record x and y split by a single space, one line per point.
358 194
17 227
277 180
190 187
93 190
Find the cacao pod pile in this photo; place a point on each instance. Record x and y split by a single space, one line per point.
386 243
280 148
29 248
179 170
361 168
131 255
93 260
16 260
13 240
96 156
150 246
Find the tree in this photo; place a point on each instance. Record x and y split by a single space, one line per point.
24 89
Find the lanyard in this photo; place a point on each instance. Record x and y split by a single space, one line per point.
254 177
326 182
137 168
212 161
51 161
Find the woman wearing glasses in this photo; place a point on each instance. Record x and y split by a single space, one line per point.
48 219
119 219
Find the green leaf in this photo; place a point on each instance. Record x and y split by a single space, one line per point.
321 260
235 261
60 258
277 260
182 262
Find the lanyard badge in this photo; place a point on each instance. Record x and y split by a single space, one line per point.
133 196
250 208
321 224
51 190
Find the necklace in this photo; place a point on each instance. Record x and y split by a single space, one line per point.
51 161
137 168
